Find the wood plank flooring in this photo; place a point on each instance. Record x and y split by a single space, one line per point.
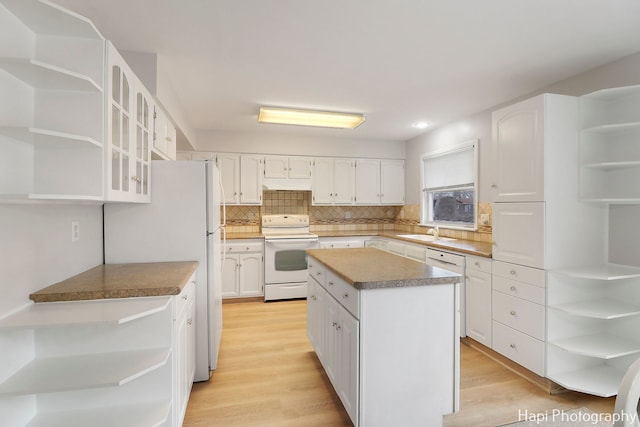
269 376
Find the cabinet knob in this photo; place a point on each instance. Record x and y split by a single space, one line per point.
513 288
189 321
345 296
512 312
494 185
513 346
338 327
318 273
330 283
477 264
334 324
184 297
512 272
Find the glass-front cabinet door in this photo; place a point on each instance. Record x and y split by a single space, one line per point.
129 127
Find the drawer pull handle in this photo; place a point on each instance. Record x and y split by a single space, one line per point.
513 288
345 296
477 264
513 346
513 313
330 283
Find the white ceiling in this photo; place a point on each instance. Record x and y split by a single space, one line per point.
397 62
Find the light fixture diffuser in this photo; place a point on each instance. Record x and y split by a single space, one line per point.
328 119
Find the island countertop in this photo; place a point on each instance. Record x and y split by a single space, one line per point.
371 268
120 281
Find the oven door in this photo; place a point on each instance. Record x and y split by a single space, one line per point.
285 260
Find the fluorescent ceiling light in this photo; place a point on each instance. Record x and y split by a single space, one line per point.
287 116
421 125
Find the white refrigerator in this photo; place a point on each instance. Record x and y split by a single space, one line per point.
182 223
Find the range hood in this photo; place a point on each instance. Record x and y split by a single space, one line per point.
292 184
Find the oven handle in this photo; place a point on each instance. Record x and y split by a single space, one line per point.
290 243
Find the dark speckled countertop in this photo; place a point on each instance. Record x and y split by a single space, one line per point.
120 281
370 268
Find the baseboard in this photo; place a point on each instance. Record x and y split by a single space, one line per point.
244 299
544 383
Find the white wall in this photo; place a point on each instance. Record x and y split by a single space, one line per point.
282 143
36 249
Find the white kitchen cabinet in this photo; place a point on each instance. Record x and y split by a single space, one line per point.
52 104
342 242
243 268
99 363
478 316
610 145
333 180
518 133
518 233
241 177
287 167
164 136
185 340
129 132
379 182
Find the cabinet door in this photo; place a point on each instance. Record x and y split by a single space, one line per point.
251 273
229 166
478 305
119 122
276 166
343 181
299 167
251 172
143 139
331 339
518 152
392 182
367 182
323 181
518 233
348 355
230 265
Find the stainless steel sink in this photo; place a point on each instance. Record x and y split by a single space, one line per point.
425 237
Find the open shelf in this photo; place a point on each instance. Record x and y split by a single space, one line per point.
116 311
55 374
41 75
601 346
45 17
600 309
143 414
600 381
45 136
602 272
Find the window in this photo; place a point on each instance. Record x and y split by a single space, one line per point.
449 187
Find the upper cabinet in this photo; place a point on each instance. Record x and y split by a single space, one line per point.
610 145
52 107
129 132
379 182
164 136
287 167
241 178
333 181
518 152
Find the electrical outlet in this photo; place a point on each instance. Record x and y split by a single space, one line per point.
484 219
347 215
75 231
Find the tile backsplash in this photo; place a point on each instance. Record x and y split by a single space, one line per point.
343 218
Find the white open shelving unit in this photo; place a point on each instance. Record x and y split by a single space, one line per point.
594 316
112 358
52 116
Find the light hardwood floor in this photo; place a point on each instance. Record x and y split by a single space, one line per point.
269 376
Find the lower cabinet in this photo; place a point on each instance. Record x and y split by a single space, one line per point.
243 268
124 362
478 299
391 354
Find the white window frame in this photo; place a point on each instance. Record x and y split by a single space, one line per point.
426 213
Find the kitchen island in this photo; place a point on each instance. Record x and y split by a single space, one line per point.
385 329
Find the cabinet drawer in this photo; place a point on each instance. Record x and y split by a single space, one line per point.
344 293
187 295
316 270
480 264
520 273
519 289
519 314
238 246
519 347
446 257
